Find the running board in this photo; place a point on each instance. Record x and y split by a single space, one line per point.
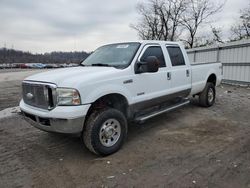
161 111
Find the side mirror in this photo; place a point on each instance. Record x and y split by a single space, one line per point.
150 65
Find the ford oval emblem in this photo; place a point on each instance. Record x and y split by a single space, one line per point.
29 96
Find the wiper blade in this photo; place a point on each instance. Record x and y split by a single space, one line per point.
100 64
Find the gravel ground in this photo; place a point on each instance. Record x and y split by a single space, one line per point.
189 147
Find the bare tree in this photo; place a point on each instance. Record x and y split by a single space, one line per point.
160 19
236 32
246 21
197 13
170 13
217 33
166 19
149 25
242 29
212 37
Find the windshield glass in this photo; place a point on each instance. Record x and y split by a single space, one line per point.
115 55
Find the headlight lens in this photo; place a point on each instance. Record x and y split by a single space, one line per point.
68 97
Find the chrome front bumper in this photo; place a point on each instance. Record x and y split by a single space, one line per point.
67 126
62 119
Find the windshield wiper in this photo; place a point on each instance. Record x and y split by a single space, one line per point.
101 65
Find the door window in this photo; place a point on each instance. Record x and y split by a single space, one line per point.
154 51
176 56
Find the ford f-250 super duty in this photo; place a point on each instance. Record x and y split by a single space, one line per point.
118 83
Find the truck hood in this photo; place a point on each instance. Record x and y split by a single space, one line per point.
65 77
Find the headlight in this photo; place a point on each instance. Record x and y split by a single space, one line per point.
68 97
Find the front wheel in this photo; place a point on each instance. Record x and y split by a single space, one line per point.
207 97
105 131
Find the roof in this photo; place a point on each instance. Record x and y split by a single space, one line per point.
159 42
150 41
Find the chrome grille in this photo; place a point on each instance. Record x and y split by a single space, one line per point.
40 95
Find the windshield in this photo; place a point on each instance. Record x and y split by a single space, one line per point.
115 55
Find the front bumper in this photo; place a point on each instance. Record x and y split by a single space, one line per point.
62 119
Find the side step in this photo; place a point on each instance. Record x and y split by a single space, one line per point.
145 117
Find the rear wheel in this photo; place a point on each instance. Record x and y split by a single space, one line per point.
207 97
105 131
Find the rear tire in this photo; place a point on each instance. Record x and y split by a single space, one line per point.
105 131
207 97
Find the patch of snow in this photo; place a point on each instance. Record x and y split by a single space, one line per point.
8 112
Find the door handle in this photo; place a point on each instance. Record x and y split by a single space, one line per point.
169 75
187 73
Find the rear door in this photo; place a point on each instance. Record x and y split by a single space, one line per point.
180 73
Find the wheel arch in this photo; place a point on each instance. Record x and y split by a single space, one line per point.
112 100
212 78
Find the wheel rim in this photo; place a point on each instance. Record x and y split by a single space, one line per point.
210 95
110 132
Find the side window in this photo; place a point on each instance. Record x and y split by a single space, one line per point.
154 51
176 56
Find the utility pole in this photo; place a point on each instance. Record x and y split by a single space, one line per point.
12 54
4 53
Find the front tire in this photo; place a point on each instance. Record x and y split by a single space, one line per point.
105 131
207 97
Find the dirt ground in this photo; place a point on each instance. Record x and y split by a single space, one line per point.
189 147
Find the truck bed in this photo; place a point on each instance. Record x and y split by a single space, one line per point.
201 71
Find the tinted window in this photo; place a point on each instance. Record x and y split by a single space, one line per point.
176 56
154 51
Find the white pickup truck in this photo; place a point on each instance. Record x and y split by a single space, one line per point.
118 83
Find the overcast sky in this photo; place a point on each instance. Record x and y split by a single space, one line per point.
69 25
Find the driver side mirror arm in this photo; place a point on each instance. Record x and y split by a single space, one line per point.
138 65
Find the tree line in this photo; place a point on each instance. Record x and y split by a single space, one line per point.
16 56
172 20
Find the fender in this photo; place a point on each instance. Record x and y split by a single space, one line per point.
210 72
105 90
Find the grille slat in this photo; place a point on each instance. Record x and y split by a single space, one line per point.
38 95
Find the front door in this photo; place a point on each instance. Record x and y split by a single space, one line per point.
151 88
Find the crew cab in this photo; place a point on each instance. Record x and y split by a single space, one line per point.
118 83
